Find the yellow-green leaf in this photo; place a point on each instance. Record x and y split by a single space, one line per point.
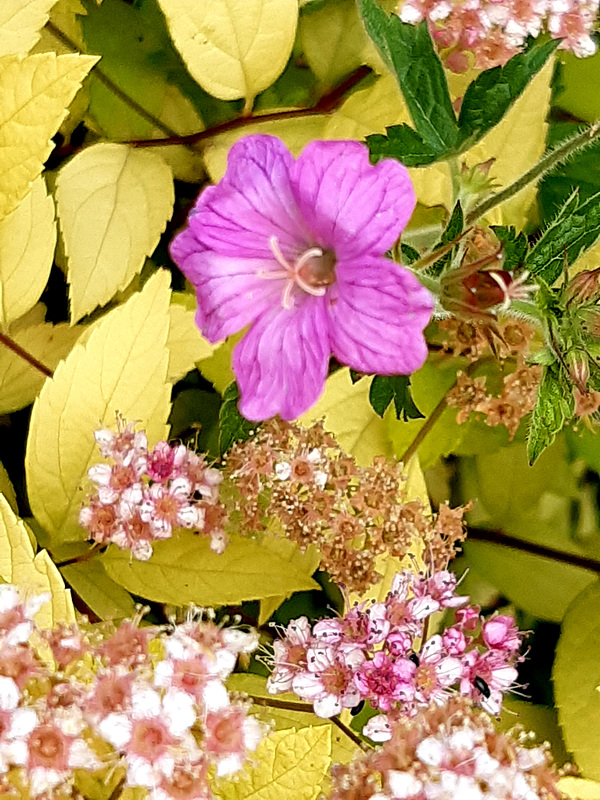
289 765
122 368
217 369
20 383
306 562
343 748
27 242
516 144
348 415
7 489
185 343
113 203
20 24
334 41
579 788
33 573
100 593
576 675
185 570
233 48
35 94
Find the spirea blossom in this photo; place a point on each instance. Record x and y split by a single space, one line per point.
295 250
300 481
447 753
492 31
380 653
144 494
151 702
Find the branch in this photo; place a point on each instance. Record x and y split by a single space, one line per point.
542 550
328 103
110 84
31 360
291 705
547 163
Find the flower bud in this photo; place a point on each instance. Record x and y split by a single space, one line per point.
585 286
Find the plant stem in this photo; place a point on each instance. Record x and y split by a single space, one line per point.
307 708
93 551
542 550
350 734
426 428
548 161
328 103
31 360
110 84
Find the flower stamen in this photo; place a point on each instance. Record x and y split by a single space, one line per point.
292 273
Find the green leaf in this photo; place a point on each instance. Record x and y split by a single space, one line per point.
408 51
402 143
185 570
385 388
232 426
576 679
494 91
554 406
454 228
574 229
515 245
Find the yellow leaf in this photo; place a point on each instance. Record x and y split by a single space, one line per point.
20 383
113 203
334 41
342 747
34 574
35 93
368 110
27 242
306 562
349 417
106 598
233 48
290 765
579 788
20 24
217 369
121 368
516 144
185 343
7 489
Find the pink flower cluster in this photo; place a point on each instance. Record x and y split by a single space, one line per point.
380 653
144 706
492 31
143 495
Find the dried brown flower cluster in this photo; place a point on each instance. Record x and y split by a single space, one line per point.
449 751
517 399
473 340
298 482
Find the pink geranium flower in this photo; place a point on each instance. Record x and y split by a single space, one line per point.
295 250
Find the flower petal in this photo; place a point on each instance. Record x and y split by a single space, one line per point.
281 363
377 314
231 294
253 202
350 205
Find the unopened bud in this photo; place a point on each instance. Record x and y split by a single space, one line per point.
579 372
585 286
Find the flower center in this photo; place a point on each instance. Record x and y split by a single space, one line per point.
313 271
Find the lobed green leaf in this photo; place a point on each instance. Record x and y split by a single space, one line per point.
408 51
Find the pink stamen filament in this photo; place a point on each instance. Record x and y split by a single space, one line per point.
291 272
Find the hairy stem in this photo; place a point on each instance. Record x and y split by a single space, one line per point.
548 161
328 103
513 542
31 360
